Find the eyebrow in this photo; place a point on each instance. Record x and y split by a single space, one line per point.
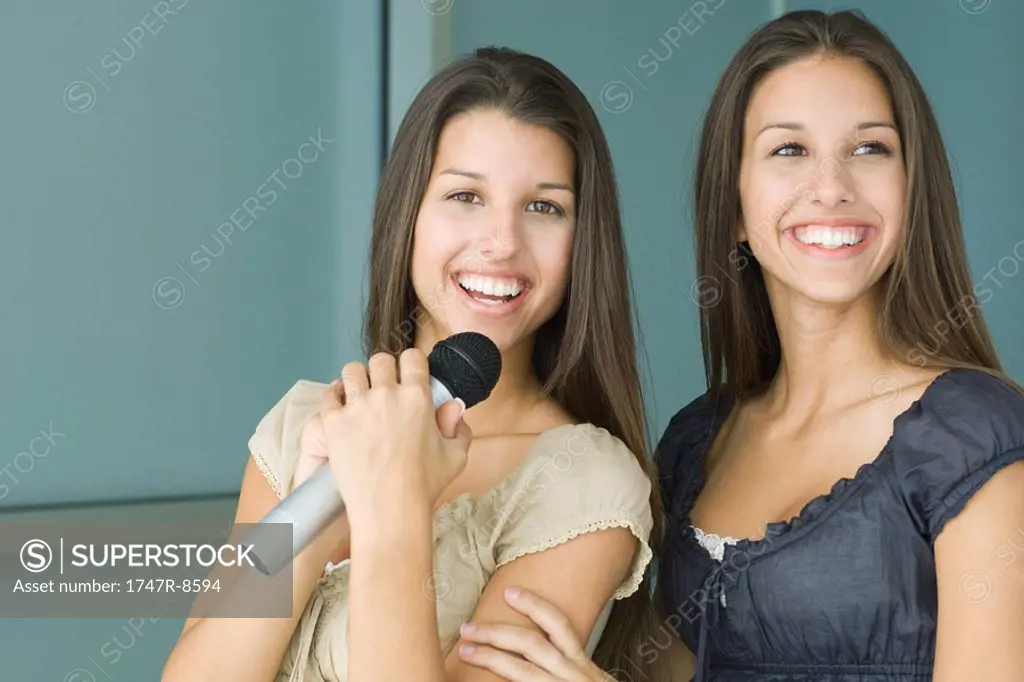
482 178
800 126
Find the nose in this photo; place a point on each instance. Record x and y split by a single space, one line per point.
833 183
501 241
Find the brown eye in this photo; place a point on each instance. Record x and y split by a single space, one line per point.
464 197
873 147
790 149
545 207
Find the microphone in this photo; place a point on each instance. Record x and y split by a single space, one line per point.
465 365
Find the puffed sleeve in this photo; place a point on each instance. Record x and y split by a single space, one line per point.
275 443
580 479
680 451
965 428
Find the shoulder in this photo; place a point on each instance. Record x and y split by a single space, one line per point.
274 444
576 479
967 426
592 447
584 459
684 441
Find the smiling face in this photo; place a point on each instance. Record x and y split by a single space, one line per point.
822 181
493 238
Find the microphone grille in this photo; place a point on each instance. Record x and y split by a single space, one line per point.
468 363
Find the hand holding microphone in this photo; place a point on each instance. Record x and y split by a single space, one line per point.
387 447
381 440
312 447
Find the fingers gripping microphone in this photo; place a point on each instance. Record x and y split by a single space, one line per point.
465 365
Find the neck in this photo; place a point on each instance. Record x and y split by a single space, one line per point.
512 398
831 355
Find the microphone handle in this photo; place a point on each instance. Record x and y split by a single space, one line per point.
309 509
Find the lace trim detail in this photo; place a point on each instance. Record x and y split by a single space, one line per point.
821 506
699 437
637 569
331 567
268 474
714 544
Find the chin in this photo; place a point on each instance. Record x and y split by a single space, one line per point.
500 332
841 293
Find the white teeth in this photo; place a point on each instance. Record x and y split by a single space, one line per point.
829 237
490 286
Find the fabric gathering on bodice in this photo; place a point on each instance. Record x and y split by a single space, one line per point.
575 479
847 589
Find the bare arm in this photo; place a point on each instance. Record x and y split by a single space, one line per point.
980 570
558 655
578 576
215 649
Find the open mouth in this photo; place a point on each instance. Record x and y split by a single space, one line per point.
492 291
831 238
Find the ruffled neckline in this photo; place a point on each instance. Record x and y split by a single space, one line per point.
708 419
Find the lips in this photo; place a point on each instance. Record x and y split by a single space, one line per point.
492 294
831 238
491 288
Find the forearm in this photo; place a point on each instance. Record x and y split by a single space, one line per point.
393 611
216 649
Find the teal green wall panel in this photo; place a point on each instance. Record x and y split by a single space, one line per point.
185 227
649 70
970 60
152 386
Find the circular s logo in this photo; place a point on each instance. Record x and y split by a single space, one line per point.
79 97
616 97
36 556
975 6
975 586
706 292
437 7
168 292
885 390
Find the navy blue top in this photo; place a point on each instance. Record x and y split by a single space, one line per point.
846 590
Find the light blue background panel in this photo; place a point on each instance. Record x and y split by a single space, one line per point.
158 302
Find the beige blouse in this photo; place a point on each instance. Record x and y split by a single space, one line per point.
575 479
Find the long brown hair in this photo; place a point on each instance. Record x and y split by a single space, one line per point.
585 356
738 332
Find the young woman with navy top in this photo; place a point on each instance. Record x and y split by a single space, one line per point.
846 501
